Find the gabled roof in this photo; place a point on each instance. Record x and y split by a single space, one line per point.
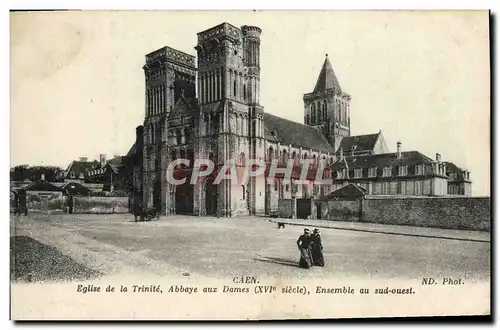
41 185
78 167
383 160
115 164
296 134
74 188
349 190
359 142
327 78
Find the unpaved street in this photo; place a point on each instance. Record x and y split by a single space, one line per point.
110 244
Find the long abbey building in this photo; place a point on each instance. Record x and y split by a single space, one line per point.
209 107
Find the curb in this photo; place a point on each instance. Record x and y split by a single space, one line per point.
384 232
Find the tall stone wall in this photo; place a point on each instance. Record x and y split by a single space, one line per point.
471 213
341 210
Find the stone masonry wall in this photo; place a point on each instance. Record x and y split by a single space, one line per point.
472 213
285 208
341 210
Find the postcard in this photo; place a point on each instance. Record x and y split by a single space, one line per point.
249 165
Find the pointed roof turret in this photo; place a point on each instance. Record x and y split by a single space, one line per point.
327 78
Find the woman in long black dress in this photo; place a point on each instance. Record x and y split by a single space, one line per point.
317 249
304 244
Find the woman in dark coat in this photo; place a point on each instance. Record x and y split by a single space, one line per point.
317 249
304 244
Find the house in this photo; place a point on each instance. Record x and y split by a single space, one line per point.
399 173
114 174
77 171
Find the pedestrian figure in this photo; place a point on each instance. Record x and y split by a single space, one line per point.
304 244
317 249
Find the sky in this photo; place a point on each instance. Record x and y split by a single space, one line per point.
423 78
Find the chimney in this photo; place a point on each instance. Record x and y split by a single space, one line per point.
438 157
83 159
398 145
116 156
102 159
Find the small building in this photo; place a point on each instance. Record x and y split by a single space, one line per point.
75 189
42 195
343 204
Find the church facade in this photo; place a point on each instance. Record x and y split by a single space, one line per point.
209 107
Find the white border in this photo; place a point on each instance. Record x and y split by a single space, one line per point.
188 5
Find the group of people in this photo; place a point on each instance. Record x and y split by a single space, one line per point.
311 249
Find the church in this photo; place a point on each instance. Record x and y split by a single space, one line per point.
209 107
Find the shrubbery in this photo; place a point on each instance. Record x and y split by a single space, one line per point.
117 193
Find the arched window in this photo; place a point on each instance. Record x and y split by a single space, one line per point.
242 159
270 154
187 133
324 110
318 109
284 157
244 190
313 114
304 156
242 122
314 160
307 120
152 133
294 156
182 155
173 155
244 91
234 87
178 136
190 156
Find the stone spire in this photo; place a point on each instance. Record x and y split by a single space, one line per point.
327 78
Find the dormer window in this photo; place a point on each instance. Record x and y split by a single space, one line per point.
372 172
72 175
358 173
419 169
387 171
403 170
340 174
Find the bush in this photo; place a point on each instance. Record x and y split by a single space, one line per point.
118 193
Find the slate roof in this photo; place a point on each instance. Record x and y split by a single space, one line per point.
80 167
41 185
327 78
296 134
452 168
349 190
360 142
116 164
74 188
383 160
